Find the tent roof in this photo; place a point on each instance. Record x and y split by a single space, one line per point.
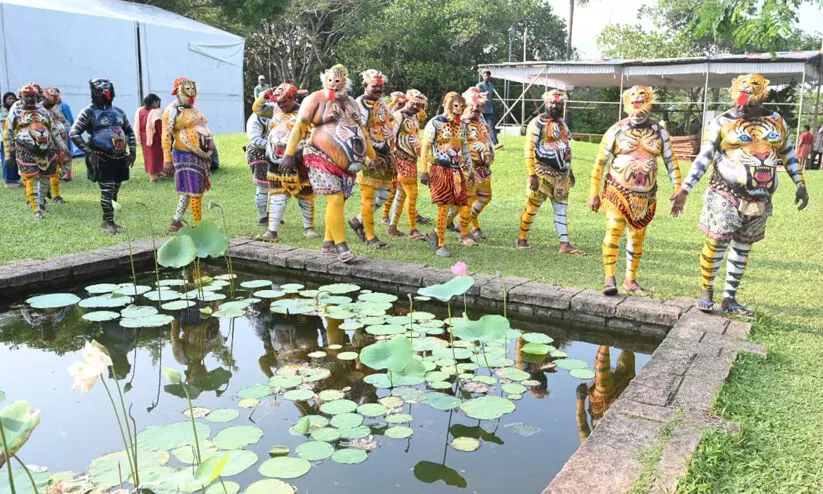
780 68
120 9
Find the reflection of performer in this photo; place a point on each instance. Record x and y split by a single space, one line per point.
746 144
630 149
535 369
46 320
286 339
607 385
192 339
119 343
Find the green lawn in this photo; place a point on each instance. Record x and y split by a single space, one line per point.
779 448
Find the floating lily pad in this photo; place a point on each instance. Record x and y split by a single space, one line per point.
347 355
512 373
537 338
378 297
408 394
338 406
171 436
440 401
285 381
530 382
317 420
487 407
101 288
346 420
255 283
292 287
256 391
339 288
314 450
177 305
222 415
491 381
227 487
131 289
513 388
301 427
210 296
372 410
536 348
331 394
349 456
108 470
570 363
248 403
317 354
279 450
385 329
390 401
334 299
171 282
104 301
514 397
269 294
153 321
399 418
493 360
162 295
237 437
298 394
285 467
198 412
350 326
315 374
101 316
399 432
327 434
268 486
187 454
293 306
558 354
582 373
358 432
467 444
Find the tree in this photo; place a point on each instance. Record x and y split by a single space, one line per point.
582 3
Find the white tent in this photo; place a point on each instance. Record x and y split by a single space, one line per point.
141 48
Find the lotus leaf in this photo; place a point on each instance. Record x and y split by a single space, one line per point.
582 373
18 421
570 363
256 391
390 401
394 354
513 388
105 301
385 329
358 432
308 293
446 353
338 406
491 381
186 454
237 437
279 450
171 436
467 367
269 294
177 305
537 338
349 456
346 420
269 486
317 420
378 297
408 394
293 306
248 403
467 444
487 407
429 365
536 348
317 354
440 401
230 312
210 469
382 380
226 487
284 382
330 394
493 360
446 291
335 346
440 385
298 394
372 320
131 289
177 252
108 470
512 373
436 376
514 397
314 450
210 296
372 410
347 355
334 299
399 418
171 282
153 321
315 374
558 354
339 288
207 238
301 427
399 432
163 295
101 288
285 467
198 412
339 314
350 326
430 472
101 316
487 328
255 283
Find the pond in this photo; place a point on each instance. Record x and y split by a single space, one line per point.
505 414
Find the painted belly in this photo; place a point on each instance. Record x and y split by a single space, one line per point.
342 141
756 181
636 172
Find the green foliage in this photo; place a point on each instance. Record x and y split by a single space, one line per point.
17 421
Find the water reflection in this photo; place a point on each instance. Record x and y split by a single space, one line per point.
608 384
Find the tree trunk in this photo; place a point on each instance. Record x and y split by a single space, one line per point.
571 28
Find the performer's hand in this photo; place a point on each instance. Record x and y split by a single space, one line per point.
801 198
572 180
594 203
678 201
168 168
471 179
94 159
534 182
287 165
424 179
11 159
131 158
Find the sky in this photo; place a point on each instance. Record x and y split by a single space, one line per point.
591 19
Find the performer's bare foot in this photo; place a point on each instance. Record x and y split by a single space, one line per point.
733 307
39 215
109 228
524 245
468 240
269 236
634 288
59 200
394 232
310 233
175 225
568 248
416 235
328 248
478 234
357 226
385 220
610 286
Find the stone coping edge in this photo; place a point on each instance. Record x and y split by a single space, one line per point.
677 386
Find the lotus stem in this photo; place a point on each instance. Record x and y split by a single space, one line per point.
128 429
134 442
465 305
411 310
153 243
229 265
451 336
6 456
133 271
28 473
120 426
225 491
483 349
193 425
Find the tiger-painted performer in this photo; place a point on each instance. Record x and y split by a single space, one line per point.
397 100
746 144
281 104
548 157
376 178
257 129
33 145
631 147
51 102
188 146
609 383
110 134
407 136
446 165
334 152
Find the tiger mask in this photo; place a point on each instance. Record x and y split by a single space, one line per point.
749 90
638 101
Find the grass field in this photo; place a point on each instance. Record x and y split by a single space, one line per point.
779 448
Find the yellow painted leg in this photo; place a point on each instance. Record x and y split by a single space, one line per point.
367 194
410 191
615 225
197 209
527 217
442 217
634 251
335 219
29 183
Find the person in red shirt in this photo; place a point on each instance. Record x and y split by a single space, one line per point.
804 146
148 131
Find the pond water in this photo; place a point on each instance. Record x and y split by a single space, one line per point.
547 411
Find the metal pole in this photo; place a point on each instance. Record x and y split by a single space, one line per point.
705 100
817 101
525 37
800 112
620 97
506 83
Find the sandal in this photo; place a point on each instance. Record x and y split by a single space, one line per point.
468 241
610 290
358 229
416 235
704 305
523 245
738 310
423 220
346 256
431 238
638 290
328 249
376 243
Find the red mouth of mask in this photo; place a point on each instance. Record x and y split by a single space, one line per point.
332 94
742 98
457 118
191 100
637 104
107 94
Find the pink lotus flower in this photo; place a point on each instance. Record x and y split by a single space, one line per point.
460 269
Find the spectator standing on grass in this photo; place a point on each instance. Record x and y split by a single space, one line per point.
817 150
11 176
804 146
486 86
149 132
261 86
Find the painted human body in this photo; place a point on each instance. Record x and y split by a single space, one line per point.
281 104
257 128
110 135
609 383
375 179
406 153
335 150
33 144
446 165
52 102
548 158
630 149
188 146
746 144
481 150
